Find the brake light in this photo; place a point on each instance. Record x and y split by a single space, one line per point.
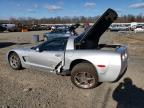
101 66
124 56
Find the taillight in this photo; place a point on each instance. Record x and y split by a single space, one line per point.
101 66
124 56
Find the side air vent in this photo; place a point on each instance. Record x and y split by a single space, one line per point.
24 59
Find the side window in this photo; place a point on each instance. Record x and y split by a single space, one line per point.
55 45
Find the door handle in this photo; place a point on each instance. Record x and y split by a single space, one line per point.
58 55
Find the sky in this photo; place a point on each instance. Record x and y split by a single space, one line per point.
54 8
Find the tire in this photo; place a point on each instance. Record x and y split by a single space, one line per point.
14 61
84 76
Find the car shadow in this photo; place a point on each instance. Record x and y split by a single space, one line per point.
128 95
23 43
6 44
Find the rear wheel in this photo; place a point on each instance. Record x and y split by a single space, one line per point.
14 61
84 76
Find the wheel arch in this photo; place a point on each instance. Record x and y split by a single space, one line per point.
19 65
77 61
11 52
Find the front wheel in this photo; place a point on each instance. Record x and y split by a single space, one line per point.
14 61
84 76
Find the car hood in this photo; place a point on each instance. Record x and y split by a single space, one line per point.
100 26
26 49
20 51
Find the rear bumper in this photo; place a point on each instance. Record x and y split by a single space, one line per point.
123 70
120 75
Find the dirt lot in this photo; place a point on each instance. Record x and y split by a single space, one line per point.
29 88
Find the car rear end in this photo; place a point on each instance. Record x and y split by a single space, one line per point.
124 61
117 65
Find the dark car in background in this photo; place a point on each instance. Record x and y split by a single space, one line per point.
57 33
60 31
2 28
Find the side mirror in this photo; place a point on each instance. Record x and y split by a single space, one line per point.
37 50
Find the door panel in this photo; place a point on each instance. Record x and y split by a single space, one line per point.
50 54
46 59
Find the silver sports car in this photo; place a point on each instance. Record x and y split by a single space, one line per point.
82 57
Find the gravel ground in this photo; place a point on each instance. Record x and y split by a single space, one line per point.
29 88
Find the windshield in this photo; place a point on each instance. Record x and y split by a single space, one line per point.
58 40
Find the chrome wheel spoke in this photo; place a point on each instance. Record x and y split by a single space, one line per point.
77 78
14 61
84 74
84 79
90 79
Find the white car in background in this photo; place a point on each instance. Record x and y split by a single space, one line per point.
139 29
